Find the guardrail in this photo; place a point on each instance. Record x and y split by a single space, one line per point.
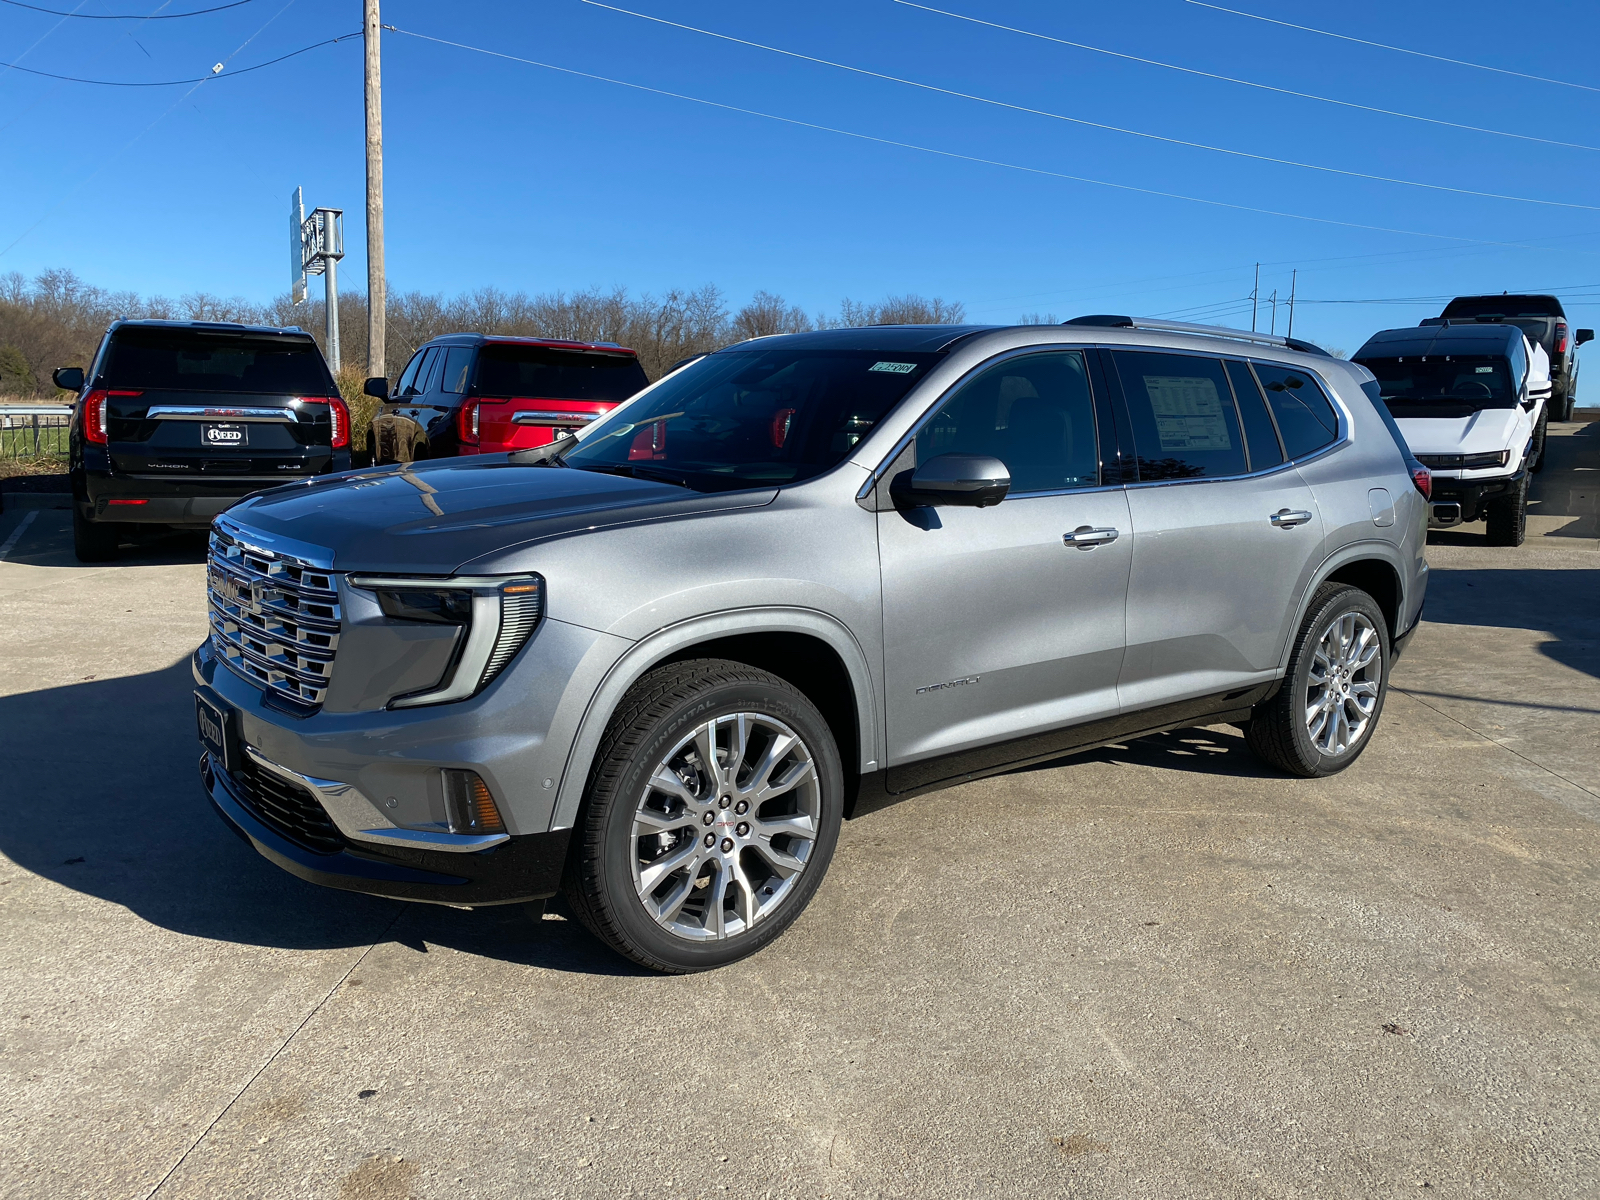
34 430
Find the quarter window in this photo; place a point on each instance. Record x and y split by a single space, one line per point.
1185 425
428 373
457 369
1305 418
1034 413
1260 436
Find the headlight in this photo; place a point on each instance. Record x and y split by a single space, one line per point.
1476 462
498 615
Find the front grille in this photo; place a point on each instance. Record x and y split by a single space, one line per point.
288 808
274 619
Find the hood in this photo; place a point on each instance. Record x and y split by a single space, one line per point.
429 518
1484 431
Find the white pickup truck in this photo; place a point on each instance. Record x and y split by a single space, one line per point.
1471 400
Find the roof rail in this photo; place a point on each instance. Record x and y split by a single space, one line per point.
1109 321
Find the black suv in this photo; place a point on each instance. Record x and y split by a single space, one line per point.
1545 322
177 420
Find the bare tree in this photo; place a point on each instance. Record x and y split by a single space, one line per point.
766 315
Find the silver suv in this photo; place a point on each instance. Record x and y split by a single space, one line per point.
655 664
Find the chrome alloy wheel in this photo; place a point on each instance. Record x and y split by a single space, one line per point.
725 826
1342 691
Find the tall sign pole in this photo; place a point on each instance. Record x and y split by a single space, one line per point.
373 32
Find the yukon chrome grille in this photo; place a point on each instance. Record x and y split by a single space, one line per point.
274 618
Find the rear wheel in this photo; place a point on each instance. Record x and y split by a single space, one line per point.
92 541
711 816
1323 716
1507 517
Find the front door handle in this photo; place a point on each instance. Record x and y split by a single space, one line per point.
1288 518
1086 537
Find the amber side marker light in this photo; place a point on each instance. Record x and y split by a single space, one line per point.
468 805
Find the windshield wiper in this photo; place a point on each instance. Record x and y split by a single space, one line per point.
548 455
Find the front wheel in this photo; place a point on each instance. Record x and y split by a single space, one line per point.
711 815
1536 452
1323 716
1506 519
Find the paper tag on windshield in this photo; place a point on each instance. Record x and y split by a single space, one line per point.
894 368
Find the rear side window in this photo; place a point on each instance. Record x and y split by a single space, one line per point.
1306 420
457 369
538 372
1033 413
1261 436
428 373
157 359
1185 425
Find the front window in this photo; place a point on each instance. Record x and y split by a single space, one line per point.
752 418
1442 387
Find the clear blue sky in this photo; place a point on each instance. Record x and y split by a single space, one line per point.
508 174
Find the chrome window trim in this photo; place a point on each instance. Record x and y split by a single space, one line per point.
531 417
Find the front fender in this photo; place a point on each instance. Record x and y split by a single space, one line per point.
662 644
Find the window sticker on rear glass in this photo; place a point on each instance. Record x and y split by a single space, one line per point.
894 368
1188 412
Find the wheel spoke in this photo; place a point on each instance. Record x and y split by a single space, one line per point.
654 821
705 743
781 745
669 908
651 874
782 863
797 774
799 825
666 780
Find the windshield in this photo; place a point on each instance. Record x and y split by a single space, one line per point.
1438 387
752 418
200 361
538 371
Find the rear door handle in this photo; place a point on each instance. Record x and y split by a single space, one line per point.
1287 518
1086 537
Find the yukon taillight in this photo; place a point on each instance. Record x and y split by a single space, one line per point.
467 423
1423 478
339 413
96 421
338 418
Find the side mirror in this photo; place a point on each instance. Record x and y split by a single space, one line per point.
68 379
377 387
1584 335
965 480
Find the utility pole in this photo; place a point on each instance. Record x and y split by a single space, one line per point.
1255 295
373 32
1273 300
1293 280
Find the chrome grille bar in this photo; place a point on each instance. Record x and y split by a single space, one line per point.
274 618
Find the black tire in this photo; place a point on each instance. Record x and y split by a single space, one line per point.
1536 452
1507 518
656 715
1278 732
93 541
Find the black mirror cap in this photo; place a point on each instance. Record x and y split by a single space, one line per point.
958 480
1584 335
377 387
68 379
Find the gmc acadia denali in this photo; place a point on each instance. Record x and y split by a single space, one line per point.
655 663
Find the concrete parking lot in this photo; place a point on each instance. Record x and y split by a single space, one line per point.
1156 970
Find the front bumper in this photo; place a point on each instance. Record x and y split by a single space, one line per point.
1455 500
522 868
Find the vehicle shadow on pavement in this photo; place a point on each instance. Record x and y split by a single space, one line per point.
102 795
1499 599
1218 751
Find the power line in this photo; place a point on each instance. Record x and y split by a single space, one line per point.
1155 137
1266 87
126 16
202 79
1459 62
972 158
